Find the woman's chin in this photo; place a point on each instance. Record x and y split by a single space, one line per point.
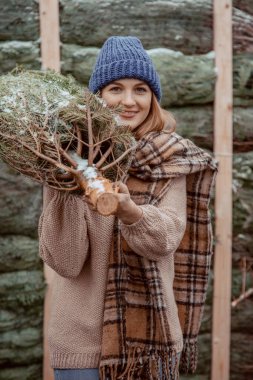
127 123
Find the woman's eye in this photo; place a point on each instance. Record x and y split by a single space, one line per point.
115 89
141 90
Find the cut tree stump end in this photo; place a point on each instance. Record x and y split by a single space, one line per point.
107 204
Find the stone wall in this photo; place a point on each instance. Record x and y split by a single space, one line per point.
22 285
21 278
178 35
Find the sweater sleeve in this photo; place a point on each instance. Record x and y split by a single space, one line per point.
160 230
63 239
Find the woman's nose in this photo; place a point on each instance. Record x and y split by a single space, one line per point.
128 98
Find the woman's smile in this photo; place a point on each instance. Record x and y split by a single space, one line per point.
128 114
133 95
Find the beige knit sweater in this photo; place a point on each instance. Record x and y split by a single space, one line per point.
75 242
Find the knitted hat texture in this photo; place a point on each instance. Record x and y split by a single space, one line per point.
124 57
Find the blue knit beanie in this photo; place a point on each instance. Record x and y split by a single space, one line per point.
124 57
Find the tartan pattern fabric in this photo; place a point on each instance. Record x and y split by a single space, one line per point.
136 332
192 263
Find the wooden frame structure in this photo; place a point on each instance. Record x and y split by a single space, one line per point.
223 149
50 34
50 59
50 54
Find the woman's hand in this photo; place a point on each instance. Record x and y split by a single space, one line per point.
128 212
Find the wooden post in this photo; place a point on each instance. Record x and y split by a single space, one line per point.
50 34
50 59
223 197
48 373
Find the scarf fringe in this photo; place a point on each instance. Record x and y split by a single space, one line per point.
143 365
189 357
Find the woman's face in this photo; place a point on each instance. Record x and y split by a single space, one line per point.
133 95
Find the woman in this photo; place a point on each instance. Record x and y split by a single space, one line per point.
115 314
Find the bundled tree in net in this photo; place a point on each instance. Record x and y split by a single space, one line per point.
58 133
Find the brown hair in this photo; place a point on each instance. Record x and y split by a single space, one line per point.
157 120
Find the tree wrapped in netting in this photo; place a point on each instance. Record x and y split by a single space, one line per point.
58 133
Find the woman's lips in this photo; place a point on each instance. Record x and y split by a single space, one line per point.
128 114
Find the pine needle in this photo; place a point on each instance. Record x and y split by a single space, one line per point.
44 117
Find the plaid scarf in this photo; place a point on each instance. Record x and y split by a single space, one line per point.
136 342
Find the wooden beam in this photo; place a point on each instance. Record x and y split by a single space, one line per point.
50 34
48 373
223 197
50 59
